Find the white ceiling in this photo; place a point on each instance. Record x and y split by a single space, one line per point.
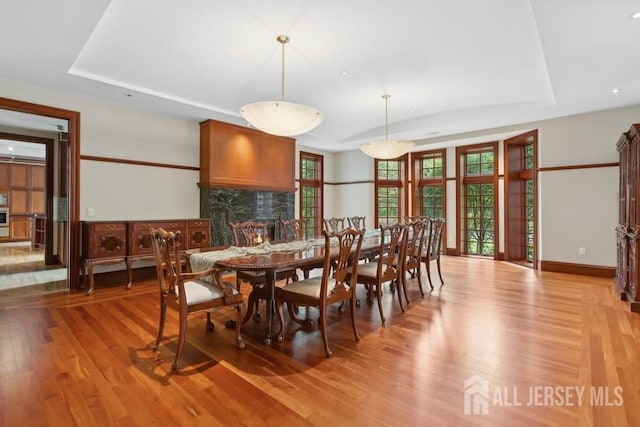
449 66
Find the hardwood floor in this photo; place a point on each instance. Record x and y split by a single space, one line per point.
71 359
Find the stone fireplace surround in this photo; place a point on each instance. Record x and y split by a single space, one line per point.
226 205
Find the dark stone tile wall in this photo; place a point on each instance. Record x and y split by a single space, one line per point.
227 205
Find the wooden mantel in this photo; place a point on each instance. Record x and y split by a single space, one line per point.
233 156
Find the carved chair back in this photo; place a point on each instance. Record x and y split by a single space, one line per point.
357 222
333 225
292 229
249 233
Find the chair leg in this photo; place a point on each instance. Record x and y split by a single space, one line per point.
210 326
352 301
163 317
239 342
279 310
379 298
439 272
428 264
404 287
182 332
323 329
419 273
400 286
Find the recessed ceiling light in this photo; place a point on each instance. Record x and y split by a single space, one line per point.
10 148
616 90
412 111
128 95
344 73
635 15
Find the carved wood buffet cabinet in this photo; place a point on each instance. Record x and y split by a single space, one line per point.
114 242
628 229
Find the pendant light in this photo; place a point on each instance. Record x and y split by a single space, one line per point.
279 117
386 149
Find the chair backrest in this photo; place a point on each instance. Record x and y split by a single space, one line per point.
292 229
166 251
340 267
435 238
357 222
412 219
334 224
390 246
249 233
413 243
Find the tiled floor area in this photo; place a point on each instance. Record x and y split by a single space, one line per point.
23 272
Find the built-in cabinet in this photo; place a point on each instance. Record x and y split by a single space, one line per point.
628 229
25 185
114 242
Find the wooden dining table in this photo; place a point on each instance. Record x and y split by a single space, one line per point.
296 254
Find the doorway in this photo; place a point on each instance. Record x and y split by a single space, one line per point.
521 202
34 183
69 168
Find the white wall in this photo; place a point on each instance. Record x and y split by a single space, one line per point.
578 207
124 191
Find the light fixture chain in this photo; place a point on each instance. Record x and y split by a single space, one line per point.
282 83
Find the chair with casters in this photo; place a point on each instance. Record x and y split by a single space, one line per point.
334 224
253 233
189 292
336 285
374 274
432 247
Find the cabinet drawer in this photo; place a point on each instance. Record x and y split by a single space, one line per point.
139 234
192 223
102 227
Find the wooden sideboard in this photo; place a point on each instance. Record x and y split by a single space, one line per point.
113 242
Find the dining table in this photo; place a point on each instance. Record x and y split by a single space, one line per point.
271 257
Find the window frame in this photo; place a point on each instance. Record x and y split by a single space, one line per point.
401 184
318 185
462 179
419 182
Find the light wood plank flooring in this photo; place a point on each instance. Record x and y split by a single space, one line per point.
71 359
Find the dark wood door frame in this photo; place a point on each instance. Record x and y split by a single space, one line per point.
73 232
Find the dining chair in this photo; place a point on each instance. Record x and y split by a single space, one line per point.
357 222
412 219
189 292
334 224
253 233
433 239
336 285
374 274
293 230
410 255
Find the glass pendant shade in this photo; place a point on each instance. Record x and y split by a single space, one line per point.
282 118
279 117
386 149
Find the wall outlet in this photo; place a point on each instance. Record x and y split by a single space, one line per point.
582 251
91 212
